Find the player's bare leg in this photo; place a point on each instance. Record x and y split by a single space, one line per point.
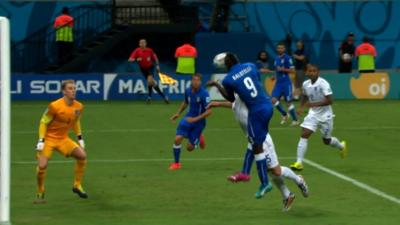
41 175
302 149
80 155
177 152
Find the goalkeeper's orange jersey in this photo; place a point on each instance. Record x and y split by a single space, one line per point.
63 116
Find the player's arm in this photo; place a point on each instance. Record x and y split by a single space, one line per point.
204 115
223 104
133 56
181 108
204 103
327 101
78 132
288 66
303 103
221 89
155 59
47 117
228 92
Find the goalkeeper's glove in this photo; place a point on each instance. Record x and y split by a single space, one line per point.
40 145
81 141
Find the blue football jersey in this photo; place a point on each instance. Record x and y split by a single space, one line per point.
197 101
244 79
286 62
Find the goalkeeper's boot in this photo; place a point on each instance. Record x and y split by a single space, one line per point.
297 166
344 151
263 189
39 198
288 202
175 166
80 192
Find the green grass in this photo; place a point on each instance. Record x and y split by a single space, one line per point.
145 192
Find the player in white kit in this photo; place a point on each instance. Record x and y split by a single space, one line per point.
317 95
278 172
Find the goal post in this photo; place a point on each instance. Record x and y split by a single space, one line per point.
5 121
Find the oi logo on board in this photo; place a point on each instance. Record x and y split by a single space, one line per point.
370 86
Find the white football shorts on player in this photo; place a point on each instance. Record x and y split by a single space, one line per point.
270 153
312 122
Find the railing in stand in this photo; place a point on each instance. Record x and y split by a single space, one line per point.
38 51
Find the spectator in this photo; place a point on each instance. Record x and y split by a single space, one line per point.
346 53
262 62
186 56
300 62
366 54
64 25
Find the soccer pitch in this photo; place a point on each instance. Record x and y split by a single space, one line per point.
129 146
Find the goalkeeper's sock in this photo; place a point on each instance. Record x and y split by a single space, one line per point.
41 175
248 161
177 152
279 108
292 112
158 90
79 170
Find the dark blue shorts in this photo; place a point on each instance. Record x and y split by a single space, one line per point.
257 125
283 89
191 131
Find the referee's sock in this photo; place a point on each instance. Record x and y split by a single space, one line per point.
159 91
150 90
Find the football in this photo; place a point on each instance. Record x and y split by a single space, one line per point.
347 57
219 60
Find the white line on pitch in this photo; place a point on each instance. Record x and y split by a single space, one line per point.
353 181
135 160
139 130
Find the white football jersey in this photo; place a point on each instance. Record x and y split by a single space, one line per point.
241 113
316 93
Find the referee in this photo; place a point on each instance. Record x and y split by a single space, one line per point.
146 58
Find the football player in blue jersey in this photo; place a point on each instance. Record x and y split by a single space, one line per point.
194 122
283 86
244 80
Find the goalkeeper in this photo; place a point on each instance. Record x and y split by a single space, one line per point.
61 116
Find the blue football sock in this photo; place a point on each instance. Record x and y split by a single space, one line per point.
261 162
248 162
292 112
177 153
280 109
